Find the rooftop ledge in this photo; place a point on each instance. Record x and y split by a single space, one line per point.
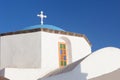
46 30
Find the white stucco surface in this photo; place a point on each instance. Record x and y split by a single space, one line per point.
27 56
24 74
50 55
101 62
39 49
21 51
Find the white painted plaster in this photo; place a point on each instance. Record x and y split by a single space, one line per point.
49 42
21 50
24 74
101 62
37 50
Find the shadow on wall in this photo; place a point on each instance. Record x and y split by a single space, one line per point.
2 72
79 75
70 72
2 75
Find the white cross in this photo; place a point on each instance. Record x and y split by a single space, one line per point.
42 16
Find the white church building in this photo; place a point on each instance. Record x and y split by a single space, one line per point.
47 52
44 47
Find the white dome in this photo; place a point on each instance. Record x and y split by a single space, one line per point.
101 62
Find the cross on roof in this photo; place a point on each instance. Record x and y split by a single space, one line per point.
42 16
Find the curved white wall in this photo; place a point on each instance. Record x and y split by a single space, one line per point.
101 62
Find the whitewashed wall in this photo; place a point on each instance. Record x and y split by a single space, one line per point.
100 62
38 50
21 50
23 74
49 43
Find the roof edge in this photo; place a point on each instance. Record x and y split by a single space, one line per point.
46 30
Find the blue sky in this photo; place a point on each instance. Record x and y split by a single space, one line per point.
99 20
